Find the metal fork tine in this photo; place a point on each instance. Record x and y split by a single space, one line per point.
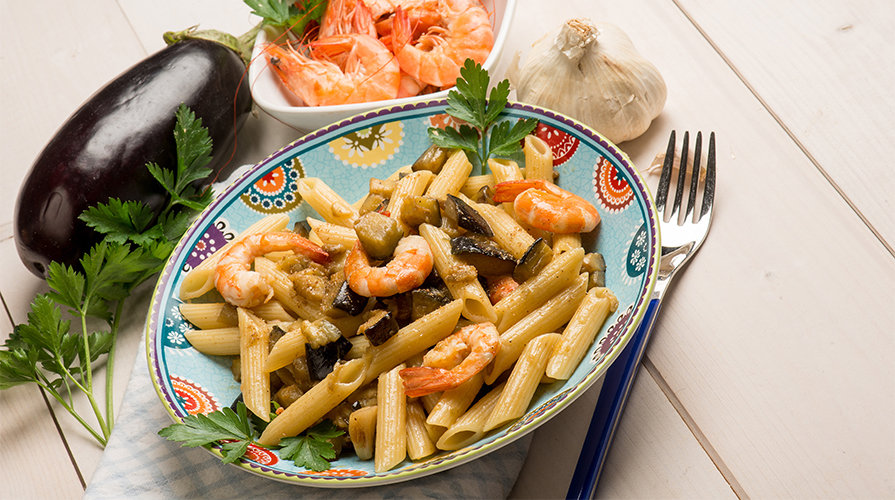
694 176
681 176
665 179
709 192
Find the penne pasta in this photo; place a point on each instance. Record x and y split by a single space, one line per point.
284 292
469 428
581 331
286 349
200 280
474 183
273 311
555 313
506 170
333 234
452 176
566 242
215 341
412 339
408 188
326 202
466 288
210 315
507 232
362 430
391 421
419 442
538 158
561 271
527 373
317 402
455 402
253 347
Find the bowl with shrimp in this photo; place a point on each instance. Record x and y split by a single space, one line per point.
556 256
300 94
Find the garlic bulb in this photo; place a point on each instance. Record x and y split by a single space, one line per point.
593 73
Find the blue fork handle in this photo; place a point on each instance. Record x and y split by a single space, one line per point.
616 385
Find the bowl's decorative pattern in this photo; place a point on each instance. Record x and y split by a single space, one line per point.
345 156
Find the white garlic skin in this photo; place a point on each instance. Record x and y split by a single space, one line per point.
591 72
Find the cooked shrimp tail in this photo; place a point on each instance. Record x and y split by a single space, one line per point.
546 206
453 360
241 286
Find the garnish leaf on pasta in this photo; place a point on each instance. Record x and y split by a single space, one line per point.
312 450
233 430
471 103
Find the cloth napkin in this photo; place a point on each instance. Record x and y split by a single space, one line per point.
139 464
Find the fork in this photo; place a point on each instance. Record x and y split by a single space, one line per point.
680 240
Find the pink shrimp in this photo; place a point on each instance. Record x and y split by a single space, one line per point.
241 286
546 206
352 68
346 16
436 57
453 361
411 263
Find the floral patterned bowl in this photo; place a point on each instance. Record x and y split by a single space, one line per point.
346 155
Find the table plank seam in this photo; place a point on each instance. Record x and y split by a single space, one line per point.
786 129
691 424
43 394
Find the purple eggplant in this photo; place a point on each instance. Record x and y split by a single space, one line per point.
101 151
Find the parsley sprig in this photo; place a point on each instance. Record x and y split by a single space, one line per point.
136 244
286 14
481 138
234 431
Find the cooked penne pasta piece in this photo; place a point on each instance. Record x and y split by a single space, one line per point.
507 232
566 242
333 234
506 170
413 339
391 421
474 183
253 347
463 286
524 379
581 331
419 442
561 271
454 402
200 280
286 349
451 177
408 188
317 402
555 313
538 158
273 310
326 202
283 290
469 428
362 430
215 341
209 315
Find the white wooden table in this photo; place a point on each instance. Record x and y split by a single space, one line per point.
772 370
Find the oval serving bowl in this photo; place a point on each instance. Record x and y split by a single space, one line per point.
345 156
274 98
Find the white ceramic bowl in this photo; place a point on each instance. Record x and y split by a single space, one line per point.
274 98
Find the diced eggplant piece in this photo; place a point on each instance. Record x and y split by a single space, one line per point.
302 227
538 255
381 326
467 217
378 234
320 332
348 300
421 210
323 359
276 333
593 262
426 300
432 159
372 203
287 395
488 257
485 194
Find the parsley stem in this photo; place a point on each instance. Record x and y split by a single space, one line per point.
74 413
110 364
